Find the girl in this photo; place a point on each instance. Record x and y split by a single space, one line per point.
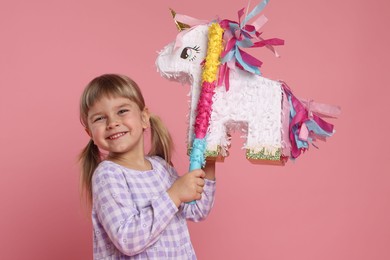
138 201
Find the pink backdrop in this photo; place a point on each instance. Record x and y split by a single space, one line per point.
332 203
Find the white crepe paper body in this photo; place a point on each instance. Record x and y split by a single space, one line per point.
252 104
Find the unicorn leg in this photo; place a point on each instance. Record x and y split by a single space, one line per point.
217 140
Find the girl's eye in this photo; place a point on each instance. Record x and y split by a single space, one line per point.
122 111
98 119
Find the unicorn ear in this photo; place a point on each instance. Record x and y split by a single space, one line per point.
180 26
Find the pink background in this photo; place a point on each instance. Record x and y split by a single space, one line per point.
332 203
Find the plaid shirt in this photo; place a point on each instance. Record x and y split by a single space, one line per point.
134 218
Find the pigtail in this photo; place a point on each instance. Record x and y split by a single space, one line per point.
89 159
161 140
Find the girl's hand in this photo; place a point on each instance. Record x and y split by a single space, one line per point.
188 187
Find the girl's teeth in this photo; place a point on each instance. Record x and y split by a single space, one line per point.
116 135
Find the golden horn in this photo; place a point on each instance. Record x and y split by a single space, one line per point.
180 26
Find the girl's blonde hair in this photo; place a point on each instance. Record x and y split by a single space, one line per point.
113 85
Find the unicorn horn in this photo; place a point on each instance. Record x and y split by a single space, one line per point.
180 26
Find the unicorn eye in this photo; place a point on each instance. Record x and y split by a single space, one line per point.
190 53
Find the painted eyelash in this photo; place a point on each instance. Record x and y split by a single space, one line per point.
197 49
193 58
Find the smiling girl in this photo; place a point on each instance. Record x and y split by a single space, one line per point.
138 200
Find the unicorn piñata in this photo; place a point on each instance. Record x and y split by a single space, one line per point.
228 92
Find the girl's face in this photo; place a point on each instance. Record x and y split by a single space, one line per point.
116 125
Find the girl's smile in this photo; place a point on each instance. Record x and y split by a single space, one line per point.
116 136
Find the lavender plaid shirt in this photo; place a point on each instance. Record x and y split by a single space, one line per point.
134 218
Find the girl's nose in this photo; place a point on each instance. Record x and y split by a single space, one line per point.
112 123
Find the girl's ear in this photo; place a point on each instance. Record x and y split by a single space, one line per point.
88 132
145 116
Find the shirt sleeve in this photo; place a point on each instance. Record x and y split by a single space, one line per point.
199 210
131 229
